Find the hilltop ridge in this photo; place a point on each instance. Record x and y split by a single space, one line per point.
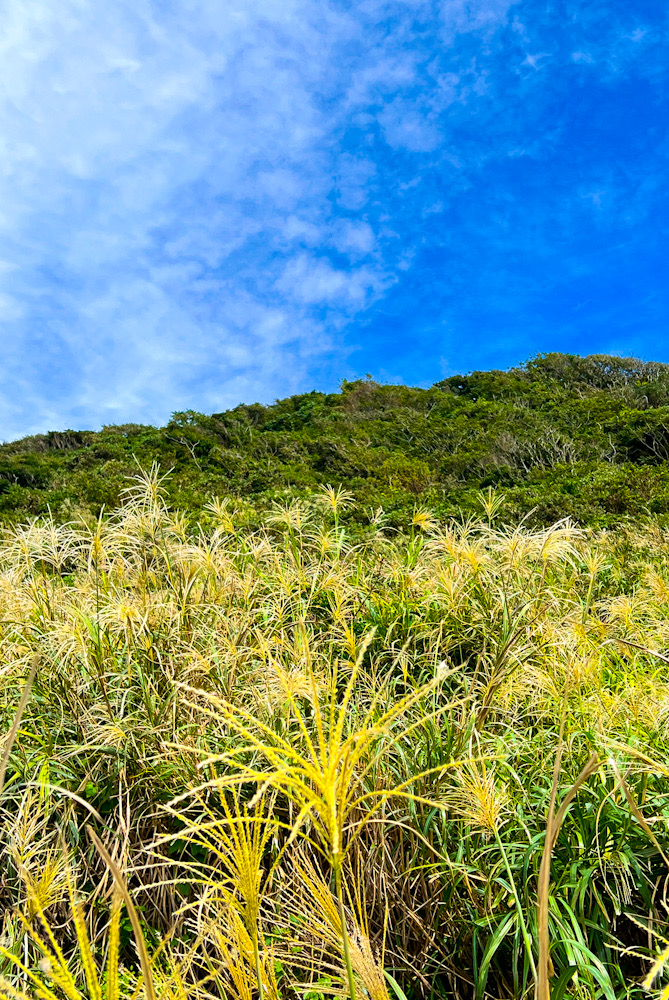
561 435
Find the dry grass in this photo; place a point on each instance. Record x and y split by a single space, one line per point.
322 764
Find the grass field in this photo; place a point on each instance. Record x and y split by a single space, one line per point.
291 763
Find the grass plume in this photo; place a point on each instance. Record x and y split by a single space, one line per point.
317 759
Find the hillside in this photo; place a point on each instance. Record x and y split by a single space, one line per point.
562 435
294 754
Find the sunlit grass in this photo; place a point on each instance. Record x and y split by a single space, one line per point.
321 763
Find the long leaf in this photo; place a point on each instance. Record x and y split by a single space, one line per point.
17 720
144 959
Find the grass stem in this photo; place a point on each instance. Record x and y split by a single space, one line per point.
344 931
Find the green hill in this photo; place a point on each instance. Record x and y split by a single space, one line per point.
562 435
254 754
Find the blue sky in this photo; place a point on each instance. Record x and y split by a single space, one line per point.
205 202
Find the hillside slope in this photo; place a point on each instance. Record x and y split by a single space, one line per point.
561 435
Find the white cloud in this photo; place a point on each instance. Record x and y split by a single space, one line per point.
405 127
313 280
197 197
461 16
354 237
160 161
150 157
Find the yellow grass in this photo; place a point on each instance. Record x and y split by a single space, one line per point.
317 761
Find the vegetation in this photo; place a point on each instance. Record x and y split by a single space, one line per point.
292 754
562 436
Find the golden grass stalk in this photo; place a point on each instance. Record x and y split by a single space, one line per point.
329 923
324 777
239 840
553 824
655 970
144 960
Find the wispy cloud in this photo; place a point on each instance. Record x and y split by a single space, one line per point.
206 202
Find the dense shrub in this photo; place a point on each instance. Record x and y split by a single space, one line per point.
559 429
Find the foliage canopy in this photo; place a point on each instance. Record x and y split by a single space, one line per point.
563 435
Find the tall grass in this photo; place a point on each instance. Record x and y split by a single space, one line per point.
315 762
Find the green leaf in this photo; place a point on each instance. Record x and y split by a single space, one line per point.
560 985
395 986
491 948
